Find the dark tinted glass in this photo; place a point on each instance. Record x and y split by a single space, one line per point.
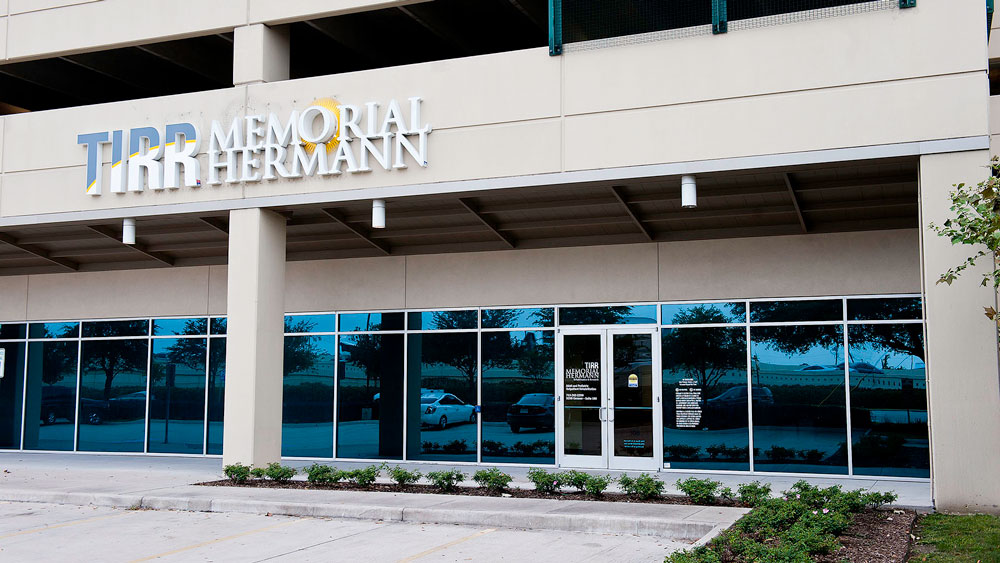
104 329
632 381
54 330
519 417
704 313
442 320
582 388
888 400
441 364
799 418
705 418
179 327
12 331
11 394
518 318
613 315
889 309
295 324
51 396
177 395
216 393
218 325
362 322
370 410
307 411
585 20
746 9
113 396
790 311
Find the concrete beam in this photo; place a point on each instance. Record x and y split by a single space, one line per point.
260 54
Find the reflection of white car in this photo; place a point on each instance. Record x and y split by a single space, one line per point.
442 409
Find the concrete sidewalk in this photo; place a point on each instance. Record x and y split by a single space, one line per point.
166 483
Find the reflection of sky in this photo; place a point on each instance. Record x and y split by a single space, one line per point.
733 312
522 318
813 356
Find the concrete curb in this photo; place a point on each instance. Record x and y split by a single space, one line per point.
667 528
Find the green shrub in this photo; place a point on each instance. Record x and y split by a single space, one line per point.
317 473
754 493
492 479
645 486
446 480
700 491
877 500
544 481
274 472
258 473
404 477
237 472
576 479
365 477
597 484
701 554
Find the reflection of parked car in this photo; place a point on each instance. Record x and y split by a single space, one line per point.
129 406
58 403
737 397
423 392
861 367
534 410
442 409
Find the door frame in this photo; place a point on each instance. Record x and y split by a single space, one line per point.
607 460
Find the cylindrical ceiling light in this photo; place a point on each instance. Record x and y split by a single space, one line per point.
689 192
378 213
128 231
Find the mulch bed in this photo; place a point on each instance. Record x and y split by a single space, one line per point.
876 536
465 491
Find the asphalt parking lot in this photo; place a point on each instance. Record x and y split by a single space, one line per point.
49 532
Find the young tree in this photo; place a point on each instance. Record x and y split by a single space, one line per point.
977 223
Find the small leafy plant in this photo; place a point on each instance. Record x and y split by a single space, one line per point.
237 472
446 480
597 484
754 493
645 486
274 472
576 479
318 473
404 477
544 481
700 491
492 479
365 477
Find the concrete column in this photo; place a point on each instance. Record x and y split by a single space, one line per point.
260 54
963 380
255 340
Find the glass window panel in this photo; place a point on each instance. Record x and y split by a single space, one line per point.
180 327
370 410
613 315
632 382
889 309
519 318
298 324
105 329
216 393
799 418
363 322
10 331
177 396
442 320
51 396
791 311
442 366
11 394
54 330
582 387
519 413
113 396
218 325
889 400
307 411
705 419
704 313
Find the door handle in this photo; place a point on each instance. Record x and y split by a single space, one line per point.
611 414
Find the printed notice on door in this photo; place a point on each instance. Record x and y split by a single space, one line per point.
687 401
583 385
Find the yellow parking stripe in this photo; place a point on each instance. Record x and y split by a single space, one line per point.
446 545
217 540
63 525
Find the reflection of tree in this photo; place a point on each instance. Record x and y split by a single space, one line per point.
442 349
115 356
905 339
499 318
594 315
300 351
531 358
706 354
366 353
59 361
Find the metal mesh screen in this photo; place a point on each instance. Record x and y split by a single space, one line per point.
587 20
745 14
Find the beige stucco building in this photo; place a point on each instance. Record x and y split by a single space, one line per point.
535 240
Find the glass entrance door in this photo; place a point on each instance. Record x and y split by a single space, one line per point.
609 402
